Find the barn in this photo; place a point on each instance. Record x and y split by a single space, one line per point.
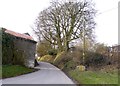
21 50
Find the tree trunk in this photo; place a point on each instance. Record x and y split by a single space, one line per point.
60 48
66 45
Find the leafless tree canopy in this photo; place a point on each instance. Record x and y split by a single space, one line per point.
64 21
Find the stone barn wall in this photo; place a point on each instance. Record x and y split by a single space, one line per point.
18 49
28 49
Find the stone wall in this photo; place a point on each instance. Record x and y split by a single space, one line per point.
28 48
17 50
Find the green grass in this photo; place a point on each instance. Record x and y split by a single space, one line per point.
0 71
14 70
94 77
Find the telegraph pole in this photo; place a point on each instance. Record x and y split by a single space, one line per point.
83 39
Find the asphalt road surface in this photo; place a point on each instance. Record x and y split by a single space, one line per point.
48 74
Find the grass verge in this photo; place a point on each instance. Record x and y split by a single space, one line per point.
0 71
94 77
15 70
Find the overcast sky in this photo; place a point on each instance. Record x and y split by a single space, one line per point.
19 16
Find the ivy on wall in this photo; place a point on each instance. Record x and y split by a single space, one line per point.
0 46
7 48
10 54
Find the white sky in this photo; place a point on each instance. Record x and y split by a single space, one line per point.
19 16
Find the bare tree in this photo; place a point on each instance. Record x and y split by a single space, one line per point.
62 22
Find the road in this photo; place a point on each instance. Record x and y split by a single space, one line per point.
48 74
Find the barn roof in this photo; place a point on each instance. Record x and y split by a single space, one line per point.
20 35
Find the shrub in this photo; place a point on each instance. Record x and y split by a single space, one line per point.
76 56
43 48
47 58
95 59
59 58
52 52
70 65
64 60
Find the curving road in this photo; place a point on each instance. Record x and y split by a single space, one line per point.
48 74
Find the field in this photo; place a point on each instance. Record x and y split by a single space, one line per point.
94 77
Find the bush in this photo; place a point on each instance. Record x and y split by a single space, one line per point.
76 56
64 60
52 52
70 65
70 60
43 48
47 58
59 58
95 59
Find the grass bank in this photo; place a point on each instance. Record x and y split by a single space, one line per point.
94 77
0 71
15 70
